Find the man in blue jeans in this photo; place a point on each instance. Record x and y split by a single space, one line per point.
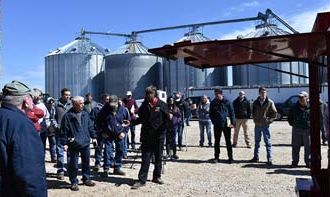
63 105
114 121
264 113
77 131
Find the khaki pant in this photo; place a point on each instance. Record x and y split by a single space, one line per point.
243 123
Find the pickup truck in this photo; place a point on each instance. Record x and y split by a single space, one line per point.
284 108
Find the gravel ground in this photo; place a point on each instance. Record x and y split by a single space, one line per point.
194 175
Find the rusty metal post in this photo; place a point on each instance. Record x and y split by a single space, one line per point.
314 87
328 73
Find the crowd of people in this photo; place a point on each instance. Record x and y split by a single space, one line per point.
72 123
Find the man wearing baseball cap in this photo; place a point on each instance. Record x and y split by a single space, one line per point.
21 151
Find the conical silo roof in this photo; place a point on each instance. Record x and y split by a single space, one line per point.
80 45
265 30
131 47
193 36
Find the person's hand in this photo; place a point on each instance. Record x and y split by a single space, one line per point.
126 123
170 116
65 147
231 126
121 135
94 141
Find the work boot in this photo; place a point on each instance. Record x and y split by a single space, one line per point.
158 181
269 162
175 157
119 172
97 167
60 175
230 160
105 173
89 183
234 145
215 160
74 187
138 184
254 159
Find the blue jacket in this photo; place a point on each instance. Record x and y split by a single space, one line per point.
220 110
70 128
106 122
22 158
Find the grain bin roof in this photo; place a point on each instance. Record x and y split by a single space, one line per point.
80 45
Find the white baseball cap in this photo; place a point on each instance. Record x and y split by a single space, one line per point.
128 93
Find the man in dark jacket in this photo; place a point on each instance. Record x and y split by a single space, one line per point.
223 118
153 114
77 130
62 106
113 121
100 141
242 114
298 118
22 165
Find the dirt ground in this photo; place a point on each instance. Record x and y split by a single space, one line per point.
194 175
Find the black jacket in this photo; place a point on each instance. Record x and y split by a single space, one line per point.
153 120
70 128
242 108
220 110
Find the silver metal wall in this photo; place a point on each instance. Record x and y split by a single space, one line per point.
73 71
133 72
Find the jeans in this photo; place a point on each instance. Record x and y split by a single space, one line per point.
110 149
98 149
73 164
52 144
132 129
205 126
217 136
147 151
171 141
188 119
258 131
60 156
300 137
125 146
180 133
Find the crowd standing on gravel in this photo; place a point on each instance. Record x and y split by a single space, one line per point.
71 123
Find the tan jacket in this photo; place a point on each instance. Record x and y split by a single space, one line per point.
265 114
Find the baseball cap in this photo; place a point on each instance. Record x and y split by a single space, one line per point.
128 93
242 93
303 93
17 88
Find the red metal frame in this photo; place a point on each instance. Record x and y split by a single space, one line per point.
306 47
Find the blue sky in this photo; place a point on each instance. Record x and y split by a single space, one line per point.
31 29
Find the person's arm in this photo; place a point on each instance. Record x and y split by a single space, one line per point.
212 113
65 130
291 116
272 113
248 108
231 114
91 129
